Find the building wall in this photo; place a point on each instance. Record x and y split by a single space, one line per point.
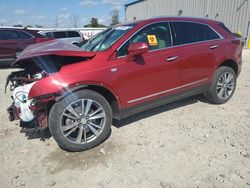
234 13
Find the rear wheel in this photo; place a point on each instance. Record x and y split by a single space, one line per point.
80 121
223 85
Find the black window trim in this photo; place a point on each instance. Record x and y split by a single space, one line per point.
171 32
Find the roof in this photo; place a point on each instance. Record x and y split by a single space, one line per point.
173 18
128 4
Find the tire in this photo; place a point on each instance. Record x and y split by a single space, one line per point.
80 121
223 85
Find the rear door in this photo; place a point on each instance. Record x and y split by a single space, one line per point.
197 45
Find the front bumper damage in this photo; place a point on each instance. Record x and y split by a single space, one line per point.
29 110
38 110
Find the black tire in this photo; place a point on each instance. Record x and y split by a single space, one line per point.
55 120
212 94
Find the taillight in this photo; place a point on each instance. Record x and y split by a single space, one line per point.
236 41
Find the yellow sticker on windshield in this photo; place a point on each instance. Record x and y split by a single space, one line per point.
152 41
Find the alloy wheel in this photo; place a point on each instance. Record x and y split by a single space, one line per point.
82 121
225 86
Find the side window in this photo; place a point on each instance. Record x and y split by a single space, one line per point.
49 35
73 34
210 34
157 36
188 33
8 35
60 34
23 35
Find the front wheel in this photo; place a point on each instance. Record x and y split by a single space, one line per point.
80 121
223 85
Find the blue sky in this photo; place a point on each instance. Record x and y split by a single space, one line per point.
46 12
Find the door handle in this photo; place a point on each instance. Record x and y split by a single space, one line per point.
169 59
213 47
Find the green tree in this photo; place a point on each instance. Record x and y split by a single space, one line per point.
38 26
94 23
18 25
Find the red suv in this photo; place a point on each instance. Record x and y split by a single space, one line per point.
128 68
13 41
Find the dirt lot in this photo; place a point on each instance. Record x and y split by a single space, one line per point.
189 143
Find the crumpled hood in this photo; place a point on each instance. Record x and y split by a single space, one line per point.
54 47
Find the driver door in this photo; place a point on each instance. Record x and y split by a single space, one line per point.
151 75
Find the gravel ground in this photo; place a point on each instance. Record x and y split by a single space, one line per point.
189 143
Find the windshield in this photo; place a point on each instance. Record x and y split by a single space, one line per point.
106 38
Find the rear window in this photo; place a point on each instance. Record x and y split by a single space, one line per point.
59 34
189 32
73 34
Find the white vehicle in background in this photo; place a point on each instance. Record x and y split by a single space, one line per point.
70 36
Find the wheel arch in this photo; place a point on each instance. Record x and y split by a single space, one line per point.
105 91
230 63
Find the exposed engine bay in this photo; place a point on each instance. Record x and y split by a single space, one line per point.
21 82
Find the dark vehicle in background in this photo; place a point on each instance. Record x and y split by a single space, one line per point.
69 36
13 41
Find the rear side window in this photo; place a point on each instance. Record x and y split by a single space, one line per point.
60 34
73 34
8 35
192 32
210 33
23 35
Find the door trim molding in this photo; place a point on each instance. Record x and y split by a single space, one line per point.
166 91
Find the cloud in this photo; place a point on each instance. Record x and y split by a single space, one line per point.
63 9
84 19
64 16
88 3
18 22
117 4
22 12
105 19
37 17
3 21
2 8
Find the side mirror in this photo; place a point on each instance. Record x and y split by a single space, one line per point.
138 48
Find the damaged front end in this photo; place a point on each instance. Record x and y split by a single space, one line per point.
23 108
37 63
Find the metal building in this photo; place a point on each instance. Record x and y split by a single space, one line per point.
234 13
